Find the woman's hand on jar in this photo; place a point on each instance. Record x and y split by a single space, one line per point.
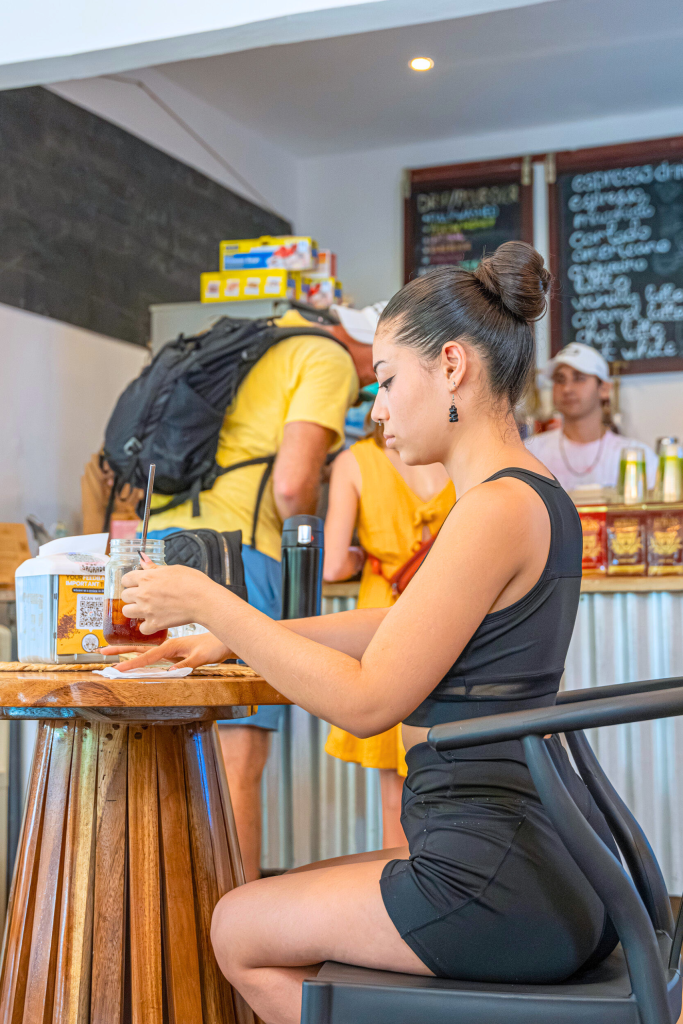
166 596
186 651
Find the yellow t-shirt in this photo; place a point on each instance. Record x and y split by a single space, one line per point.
302 379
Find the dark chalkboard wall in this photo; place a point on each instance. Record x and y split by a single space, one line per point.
456 214
95 225
619 248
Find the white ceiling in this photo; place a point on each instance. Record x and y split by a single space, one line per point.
560 61
43 42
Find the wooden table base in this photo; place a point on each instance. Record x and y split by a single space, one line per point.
128 843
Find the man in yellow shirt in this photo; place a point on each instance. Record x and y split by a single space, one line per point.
293 404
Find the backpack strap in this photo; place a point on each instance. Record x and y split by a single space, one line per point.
192 493
282 333
269 462
259 497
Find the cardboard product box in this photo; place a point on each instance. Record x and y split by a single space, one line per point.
238 285
286 252
594 527
326 263
317 290
60 601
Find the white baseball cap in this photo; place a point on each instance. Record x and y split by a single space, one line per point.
582 358
361 324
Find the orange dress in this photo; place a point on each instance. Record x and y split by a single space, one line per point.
390 524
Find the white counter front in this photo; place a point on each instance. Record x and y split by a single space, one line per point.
628 630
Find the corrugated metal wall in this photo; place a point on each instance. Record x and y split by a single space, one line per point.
316 806
620 638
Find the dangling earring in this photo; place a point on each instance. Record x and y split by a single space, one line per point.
453 412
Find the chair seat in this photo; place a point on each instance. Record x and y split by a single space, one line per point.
355 995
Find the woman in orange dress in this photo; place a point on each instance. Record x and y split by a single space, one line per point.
394 508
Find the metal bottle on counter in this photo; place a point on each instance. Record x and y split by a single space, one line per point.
303 549
669 483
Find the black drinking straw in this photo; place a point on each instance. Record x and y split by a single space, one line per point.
148 502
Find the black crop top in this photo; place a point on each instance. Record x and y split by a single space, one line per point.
515 659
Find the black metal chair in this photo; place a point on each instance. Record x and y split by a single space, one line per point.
639 983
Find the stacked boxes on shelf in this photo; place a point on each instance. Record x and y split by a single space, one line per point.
274 267
632 540
237 285
638 537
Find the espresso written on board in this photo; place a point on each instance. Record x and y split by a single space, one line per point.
620 247
455 215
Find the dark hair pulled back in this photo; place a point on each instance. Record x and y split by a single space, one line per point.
494 307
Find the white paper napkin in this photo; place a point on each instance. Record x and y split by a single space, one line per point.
160 674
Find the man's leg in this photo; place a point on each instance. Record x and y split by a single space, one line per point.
245 752
245 742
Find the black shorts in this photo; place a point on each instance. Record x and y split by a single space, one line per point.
490 892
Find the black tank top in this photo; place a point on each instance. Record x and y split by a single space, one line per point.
515 659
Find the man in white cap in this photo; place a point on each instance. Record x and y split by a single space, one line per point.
360 324
584 450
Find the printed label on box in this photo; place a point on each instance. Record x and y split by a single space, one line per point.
232 288
626 550
272 286
213 290
80 613
594 541
665 544
252 286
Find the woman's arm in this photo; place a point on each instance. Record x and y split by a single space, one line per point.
493 547
349 632
342 560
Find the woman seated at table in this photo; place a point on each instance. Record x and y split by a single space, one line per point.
485 889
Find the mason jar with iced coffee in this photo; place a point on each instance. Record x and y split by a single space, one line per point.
118 629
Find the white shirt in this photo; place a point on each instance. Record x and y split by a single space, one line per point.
597 462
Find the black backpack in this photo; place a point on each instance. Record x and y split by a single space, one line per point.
172 413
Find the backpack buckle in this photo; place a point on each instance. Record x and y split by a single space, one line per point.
132 446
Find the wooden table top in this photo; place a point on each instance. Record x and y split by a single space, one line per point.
70 694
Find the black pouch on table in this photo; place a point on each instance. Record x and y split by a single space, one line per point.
217 554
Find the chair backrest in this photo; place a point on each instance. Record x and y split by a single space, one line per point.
631 840
650 974
610 881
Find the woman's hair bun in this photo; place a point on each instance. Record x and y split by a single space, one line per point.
516 275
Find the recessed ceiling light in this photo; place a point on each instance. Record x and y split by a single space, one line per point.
422 63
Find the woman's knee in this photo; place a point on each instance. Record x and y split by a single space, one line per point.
232 931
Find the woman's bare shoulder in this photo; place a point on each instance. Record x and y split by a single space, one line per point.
497 513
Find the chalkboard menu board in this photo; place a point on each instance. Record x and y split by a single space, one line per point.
617 240
456 214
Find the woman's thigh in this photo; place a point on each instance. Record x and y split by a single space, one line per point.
304 918
398 853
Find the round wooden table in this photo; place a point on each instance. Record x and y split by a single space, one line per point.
128 843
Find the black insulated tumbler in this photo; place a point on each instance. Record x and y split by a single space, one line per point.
303 548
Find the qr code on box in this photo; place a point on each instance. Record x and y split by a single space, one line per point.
90 611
